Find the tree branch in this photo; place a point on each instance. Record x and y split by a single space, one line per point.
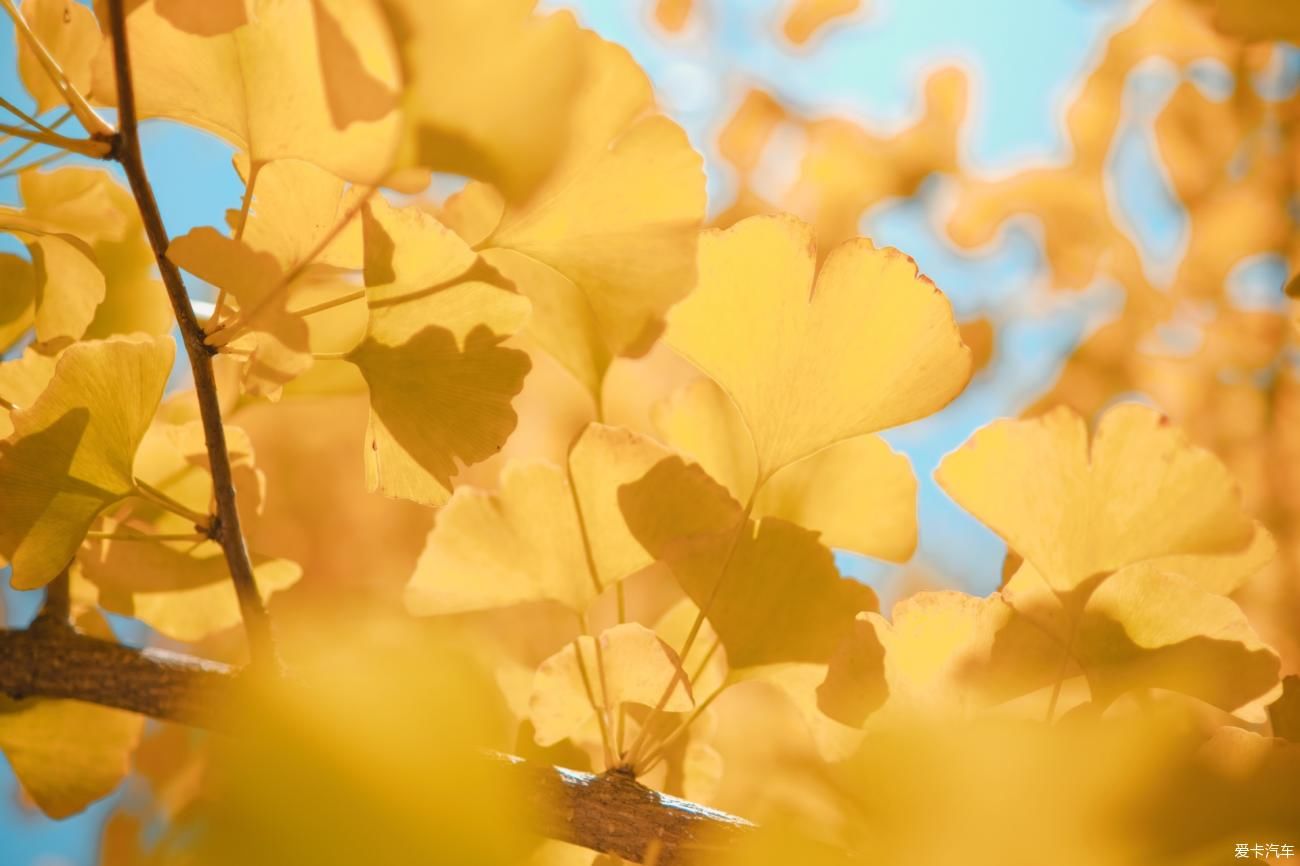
610 813
226 529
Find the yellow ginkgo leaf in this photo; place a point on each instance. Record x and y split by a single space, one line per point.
67 754
440 380
1076 509
296 206
770 589
608 243
261 85
807 17
488 88
1257 20
17 301
21 381
869 345
549 533
1142 628
858 493
195 597
70 453
626 664
93 206
1223 573
70 34
277 342
68 282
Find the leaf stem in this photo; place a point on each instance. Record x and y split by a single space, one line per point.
22 115
167 503
97 148
145 536
13 157
226 529
93 123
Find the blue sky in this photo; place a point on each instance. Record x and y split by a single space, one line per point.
1024 60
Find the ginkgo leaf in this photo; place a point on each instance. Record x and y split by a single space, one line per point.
549 533
770 589
1257 20
295 208
70 454
488 88
807 17
1075 509
1141 628
279 349
17 301
868 346
440 381
68 282
858 493
914 663
94 207
608 242
627 663
21 381
192 595
261 86
67 754
70 34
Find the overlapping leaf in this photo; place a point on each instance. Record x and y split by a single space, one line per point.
858 493
607 244
866 346
440 379
260 85
770 589
625 664
549 533
70 454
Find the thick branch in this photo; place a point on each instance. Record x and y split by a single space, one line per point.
611 813
226 529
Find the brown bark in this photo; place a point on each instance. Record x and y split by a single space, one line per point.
611 813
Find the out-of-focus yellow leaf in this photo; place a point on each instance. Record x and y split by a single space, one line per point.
1075 509
440 381
550 533
769 588
626 664
1257 20
488 88
672 15
67 754
182 590
362 737
868 346
70 34
21 381
261 87
70 454
608 242
858 493
807 17
17 301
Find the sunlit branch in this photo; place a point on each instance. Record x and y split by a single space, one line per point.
611 813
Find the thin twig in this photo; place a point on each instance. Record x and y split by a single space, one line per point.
93 147
226 529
